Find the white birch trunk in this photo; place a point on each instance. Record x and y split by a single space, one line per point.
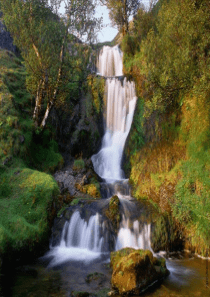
52 101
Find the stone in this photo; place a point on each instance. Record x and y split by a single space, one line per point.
135 270
80 294
95 277
6 41
113 213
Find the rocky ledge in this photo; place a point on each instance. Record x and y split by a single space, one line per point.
79 179
135 270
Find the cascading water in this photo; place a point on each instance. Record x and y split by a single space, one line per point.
86 238
120 106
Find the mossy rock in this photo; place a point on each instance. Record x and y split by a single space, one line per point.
90 189
94 276
26 211
135 270
113 212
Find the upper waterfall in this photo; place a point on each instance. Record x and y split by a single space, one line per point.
110 61
120 101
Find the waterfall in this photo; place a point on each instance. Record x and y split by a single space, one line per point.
86 239
120 106
133 237
80 241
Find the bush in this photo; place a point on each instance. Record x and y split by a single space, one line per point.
79 164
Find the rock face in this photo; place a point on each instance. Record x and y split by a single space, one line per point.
135 270
79 181
77 133
6 41
113 213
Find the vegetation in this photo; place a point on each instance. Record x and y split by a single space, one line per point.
169 142
26 194
113 212
96 90
120 11
43 37
79 164
51 73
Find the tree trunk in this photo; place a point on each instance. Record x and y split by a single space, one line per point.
38 103
52 101
125 18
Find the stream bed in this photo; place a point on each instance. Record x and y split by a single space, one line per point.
187 278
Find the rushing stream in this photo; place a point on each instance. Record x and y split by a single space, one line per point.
84 243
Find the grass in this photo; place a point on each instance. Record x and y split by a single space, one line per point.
174 173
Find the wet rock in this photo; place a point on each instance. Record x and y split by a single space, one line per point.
79 179
166 234
96 277
6 41
65 179
113 212
27 270
57 230
135 270
82 294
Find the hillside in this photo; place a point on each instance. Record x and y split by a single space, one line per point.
168 55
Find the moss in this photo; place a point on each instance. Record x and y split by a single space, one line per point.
133 270
92 189
15 122
113 213
96 91
75 201
79 164
24 215
93 276
117 255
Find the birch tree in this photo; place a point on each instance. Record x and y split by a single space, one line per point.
42 34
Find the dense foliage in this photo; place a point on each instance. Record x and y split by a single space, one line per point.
25 194
43 38
50 75
168 55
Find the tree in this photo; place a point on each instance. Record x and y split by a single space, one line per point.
120 11
42 35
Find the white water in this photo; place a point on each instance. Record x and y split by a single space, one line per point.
120 106
110 61
82 241
78 233
130 235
